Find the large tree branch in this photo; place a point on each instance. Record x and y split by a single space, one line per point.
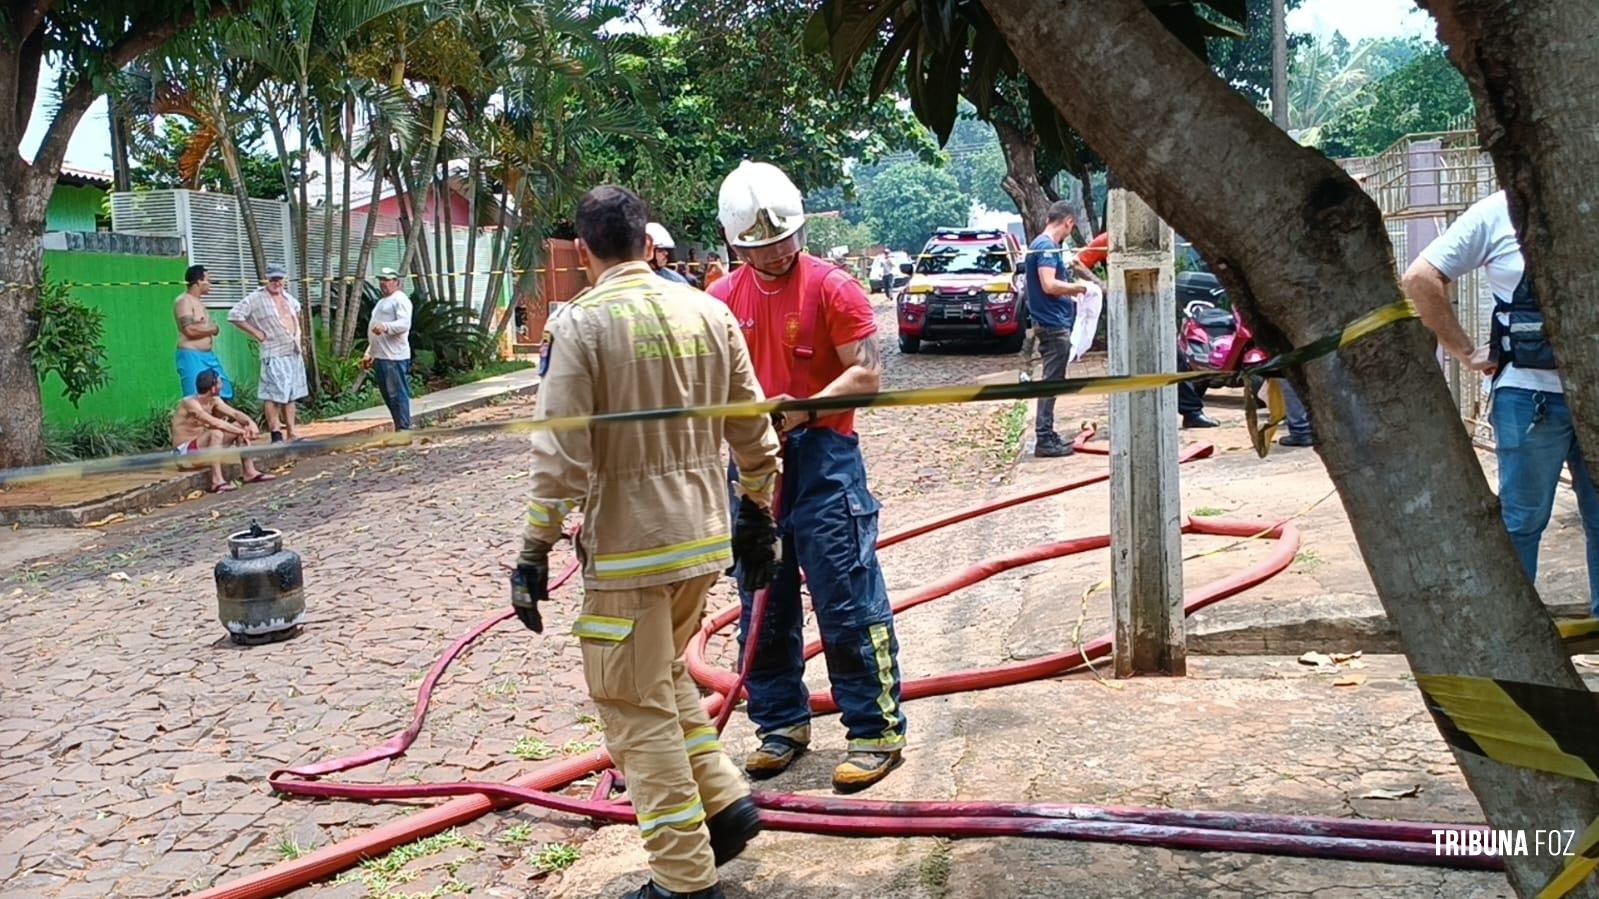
27 16
142 37
29 55
1536 88
1303 251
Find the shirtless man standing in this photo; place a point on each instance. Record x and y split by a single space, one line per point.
196 332
203 421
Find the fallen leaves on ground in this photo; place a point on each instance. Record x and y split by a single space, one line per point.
1402 793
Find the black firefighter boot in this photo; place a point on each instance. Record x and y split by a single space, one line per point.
732 828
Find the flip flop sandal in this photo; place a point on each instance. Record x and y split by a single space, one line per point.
263 476
224 487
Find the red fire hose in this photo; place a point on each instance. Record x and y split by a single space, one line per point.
1376 841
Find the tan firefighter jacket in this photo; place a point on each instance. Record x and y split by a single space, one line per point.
654 494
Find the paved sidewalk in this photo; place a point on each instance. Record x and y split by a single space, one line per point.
85 501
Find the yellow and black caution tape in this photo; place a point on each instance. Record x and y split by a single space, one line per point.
1551 729
1580 635
922 396
307 280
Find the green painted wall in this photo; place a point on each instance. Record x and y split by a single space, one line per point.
73 208
140 336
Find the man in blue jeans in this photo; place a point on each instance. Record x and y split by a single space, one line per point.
1533 435
389 348
1051 303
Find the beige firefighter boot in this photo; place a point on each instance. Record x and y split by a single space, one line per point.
861 769
778 750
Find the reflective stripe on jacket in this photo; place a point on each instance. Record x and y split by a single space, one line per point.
653 493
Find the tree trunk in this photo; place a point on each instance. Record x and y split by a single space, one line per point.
230 162
446 196
346 282
1279 63
1537 120
21 257
327 228
1303 251
280 143
350 304
473 173
302 245
1021 176
413 234
499 253
1086 182
411 219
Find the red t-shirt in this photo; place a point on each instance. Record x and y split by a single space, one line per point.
771 326
1095 251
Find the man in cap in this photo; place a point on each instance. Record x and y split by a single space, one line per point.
388 351
660 251
812 333
655 529
271 316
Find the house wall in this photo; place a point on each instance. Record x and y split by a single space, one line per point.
460 210
140 337
73 208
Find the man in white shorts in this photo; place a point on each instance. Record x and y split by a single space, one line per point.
271 316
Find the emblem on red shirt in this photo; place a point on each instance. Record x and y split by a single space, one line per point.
791 329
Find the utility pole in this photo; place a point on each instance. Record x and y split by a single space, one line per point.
1279 64
1146 559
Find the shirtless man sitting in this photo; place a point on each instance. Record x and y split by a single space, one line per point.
203 421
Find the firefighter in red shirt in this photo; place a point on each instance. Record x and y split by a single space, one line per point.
811 332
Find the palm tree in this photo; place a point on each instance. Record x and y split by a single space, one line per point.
1323 80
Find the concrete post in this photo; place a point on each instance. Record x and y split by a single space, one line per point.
1146 540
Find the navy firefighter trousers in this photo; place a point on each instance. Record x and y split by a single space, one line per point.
828 522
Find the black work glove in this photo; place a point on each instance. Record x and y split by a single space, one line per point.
756 549
531 583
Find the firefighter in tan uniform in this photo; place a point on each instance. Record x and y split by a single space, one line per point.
655 533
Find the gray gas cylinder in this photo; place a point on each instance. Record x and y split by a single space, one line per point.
260 596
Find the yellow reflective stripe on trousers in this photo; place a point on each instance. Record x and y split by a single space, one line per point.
701 740
543 515
885 695
762 484
684 817
603 627
667 558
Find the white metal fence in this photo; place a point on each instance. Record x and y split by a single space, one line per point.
1421 184
214 236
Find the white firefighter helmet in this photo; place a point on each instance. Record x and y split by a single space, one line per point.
662 237
759 205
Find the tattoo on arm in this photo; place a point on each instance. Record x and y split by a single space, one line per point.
868 356
186 320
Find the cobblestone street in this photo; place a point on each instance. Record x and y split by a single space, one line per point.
137 739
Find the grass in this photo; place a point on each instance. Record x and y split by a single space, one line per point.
1012 420
289 849
1208 512
486 370
518 835
532 749
553 857
94 439
504 689
593 723
1309 560
935 869
382 876
578 747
